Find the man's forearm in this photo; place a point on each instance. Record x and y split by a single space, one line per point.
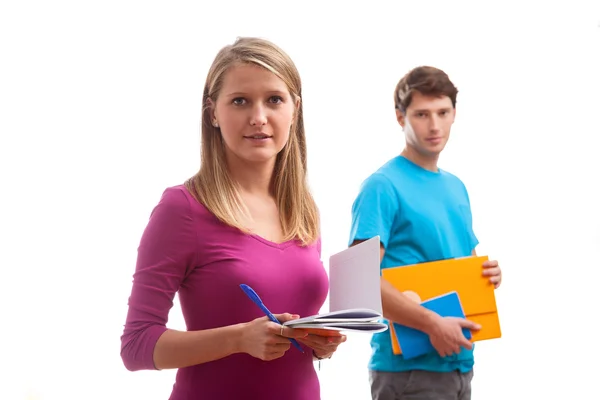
399 308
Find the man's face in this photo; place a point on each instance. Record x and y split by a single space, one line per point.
427 123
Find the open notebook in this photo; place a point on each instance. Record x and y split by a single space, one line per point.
354 293
329 324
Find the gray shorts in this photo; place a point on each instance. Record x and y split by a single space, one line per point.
420 385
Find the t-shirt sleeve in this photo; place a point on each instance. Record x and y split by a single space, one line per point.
374 210
167 251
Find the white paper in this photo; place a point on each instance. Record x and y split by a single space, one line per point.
354 278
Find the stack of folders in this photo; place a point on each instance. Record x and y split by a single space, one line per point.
451 288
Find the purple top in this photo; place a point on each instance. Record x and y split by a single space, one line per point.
185 249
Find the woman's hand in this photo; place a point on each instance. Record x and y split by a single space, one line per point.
323 346
268 340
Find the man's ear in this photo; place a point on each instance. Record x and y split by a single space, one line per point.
401 118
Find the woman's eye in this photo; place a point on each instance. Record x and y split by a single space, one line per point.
238 101
276 99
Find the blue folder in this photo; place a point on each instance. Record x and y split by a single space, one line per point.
415 343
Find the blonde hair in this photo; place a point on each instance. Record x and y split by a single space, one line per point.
213 186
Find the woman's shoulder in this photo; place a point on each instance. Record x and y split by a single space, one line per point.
177 200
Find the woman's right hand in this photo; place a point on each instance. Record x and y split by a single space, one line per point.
265 339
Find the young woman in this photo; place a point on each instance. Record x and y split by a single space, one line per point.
247 217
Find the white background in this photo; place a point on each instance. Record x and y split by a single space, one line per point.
99 112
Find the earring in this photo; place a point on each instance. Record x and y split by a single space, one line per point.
215 123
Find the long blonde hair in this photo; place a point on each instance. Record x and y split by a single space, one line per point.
213 186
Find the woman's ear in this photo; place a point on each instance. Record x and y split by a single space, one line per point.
212 112
297 101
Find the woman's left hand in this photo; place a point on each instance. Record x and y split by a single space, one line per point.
323 346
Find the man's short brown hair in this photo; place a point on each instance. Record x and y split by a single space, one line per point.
429 81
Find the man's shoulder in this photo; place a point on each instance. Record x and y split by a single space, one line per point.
456 187
452 177
388 173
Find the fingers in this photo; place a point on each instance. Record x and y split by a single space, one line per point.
273 355
273 348
492 271
324 341
287 332
449 351
286 317
282 347
323 344
495 276
466 344
455 348
465 323
335 340
294 333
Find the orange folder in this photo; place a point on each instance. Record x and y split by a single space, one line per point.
463 275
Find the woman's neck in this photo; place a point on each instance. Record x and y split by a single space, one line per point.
252 178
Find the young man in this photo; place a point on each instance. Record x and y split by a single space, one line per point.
421 213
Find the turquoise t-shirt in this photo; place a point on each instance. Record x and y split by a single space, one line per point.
419 216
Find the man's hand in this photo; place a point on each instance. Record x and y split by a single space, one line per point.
447 337
492 269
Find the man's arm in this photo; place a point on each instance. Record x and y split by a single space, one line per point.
445 334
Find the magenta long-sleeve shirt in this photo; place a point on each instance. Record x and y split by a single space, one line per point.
186 250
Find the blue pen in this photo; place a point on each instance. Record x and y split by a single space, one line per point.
254 297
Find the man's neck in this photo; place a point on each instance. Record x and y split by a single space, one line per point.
426 162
